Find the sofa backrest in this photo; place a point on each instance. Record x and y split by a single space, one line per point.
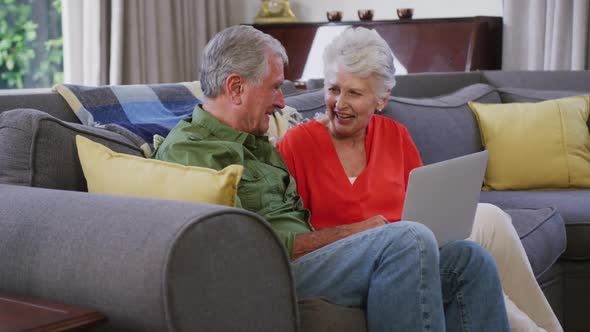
53 103
442 127
433 106
39 150
423 85
539 80
412 92
429 85
44 100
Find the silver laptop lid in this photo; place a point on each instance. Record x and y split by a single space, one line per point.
444 195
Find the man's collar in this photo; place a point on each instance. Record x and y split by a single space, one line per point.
205 119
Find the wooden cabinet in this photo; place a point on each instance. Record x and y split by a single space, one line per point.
420 45
18 313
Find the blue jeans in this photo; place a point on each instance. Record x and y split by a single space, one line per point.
395 273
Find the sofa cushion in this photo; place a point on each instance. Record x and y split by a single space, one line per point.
572 205
536 145
307 103
542 233
39 150
288 88
43 99
319 315
442 127
109 172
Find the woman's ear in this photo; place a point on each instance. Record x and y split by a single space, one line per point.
382 102
234 88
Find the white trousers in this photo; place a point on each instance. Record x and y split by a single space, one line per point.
527 307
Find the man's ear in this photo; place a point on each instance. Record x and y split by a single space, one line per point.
234 87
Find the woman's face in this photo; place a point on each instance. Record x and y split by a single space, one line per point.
350 102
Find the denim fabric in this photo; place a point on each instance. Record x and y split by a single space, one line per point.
393 271
472 293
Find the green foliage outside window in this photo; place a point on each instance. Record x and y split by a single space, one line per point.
51 68
23 62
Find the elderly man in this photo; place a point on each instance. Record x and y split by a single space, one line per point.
395 271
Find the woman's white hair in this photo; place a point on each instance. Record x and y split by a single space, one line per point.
239 49
362 52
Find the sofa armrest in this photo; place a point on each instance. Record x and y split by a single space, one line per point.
148 265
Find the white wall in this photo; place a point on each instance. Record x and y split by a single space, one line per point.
244 11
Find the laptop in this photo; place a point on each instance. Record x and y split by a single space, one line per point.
444 196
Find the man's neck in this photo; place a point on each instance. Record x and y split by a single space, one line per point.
219 109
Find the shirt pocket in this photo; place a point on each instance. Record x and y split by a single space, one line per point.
250 189
262 189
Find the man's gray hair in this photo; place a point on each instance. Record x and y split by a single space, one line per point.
362 52
241 50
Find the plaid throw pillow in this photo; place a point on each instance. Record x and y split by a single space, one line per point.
146 110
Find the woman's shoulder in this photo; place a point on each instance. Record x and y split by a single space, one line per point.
389 124
302 135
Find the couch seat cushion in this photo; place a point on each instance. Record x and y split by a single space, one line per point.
40 151
318 315
542 233
572 205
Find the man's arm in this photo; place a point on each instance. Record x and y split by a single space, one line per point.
308 242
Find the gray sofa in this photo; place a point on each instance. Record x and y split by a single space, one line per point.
154 265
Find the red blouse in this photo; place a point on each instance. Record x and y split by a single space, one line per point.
324 186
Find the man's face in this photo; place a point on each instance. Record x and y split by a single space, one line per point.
259 101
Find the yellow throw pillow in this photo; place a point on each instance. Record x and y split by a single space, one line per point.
536 145
109 172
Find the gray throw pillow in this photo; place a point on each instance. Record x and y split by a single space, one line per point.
307 103
442 127
39 150
542 233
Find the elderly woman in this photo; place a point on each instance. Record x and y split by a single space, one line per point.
353 165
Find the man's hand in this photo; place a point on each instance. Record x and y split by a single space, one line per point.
374 221
306 243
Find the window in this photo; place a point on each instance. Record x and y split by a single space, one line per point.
31 52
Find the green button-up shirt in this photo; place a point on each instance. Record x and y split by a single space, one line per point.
266 187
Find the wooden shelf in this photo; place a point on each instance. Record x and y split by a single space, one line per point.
420 45
18 313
